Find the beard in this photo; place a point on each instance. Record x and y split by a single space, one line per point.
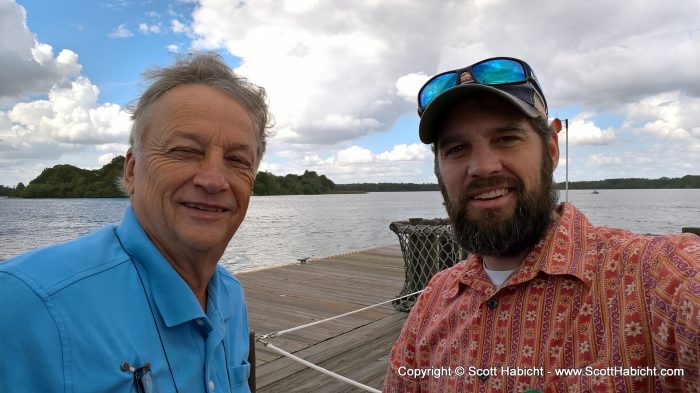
494 232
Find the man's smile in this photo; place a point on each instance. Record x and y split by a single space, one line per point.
492 194
205 207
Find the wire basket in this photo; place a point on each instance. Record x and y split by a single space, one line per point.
428 247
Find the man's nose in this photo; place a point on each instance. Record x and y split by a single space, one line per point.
484 162
211 174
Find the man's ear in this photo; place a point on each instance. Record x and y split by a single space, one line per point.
553 143
128 174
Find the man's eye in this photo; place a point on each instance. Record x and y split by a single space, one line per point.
184 153
238 162
454 150
508 139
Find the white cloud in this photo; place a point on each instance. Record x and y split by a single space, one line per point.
330 72
583 131
353 155
179 27
146 28
120 32
173 48
70 121
667 116
335 73
117 148
28 66
338 71
70 115
408 86
366 61
604 159
106 158
403 163
50 113
403 152
674 159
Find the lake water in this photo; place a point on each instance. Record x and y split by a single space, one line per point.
279 229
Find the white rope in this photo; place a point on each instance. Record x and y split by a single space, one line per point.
317 368
281 332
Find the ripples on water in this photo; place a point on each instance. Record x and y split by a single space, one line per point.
279 229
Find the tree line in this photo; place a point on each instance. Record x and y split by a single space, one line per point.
309 183
385 187
67 181
688 181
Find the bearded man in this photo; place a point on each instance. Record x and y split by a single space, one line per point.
546 301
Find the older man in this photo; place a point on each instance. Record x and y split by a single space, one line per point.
143 306
543 292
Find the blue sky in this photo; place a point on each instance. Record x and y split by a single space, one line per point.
342 76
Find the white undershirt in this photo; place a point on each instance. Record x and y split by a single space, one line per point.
498 277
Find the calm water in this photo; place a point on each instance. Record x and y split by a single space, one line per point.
280 229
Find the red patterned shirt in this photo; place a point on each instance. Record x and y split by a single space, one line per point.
615 306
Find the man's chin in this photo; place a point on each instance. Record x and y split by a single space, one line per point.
489 215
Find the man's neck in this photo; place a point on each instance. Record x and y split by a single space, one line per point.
504 263
196 269
197 278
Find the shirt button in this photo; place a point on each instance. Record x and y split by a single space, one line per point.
212 386
492 303
200 322
483 377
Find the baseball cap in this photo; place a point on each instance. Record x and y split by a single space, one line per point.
507 77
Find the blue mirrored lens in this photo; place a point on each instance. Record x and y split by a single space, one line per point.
494 72
435 87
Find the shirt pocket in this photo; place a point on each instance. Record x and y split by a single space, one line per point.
238 375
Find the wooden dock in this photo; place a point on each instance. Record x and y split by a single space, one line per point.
356 346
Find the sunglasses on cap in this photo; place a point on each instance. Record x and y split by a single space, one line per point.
497 71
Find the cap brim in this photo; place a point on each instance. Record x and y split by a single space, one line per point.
427 130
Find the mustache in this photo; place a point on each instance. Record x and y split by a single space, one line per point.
492 181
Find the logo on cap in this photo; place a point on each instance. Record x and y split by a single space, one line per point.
466 77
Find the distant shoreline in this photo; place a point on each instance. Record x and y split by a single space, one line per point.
592 190
67 181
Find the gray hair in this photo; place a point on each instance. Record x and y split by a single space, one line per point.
209 69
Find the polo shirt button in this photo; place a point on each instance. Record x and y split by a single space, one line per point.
492 303
483 377
200 322
212 386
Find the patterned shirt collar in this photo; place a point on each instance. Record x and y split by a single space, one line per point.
560 252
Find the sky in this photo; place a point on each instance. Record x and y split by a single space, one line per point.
342 77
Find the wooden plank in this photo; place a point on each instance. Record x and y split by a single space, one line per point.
355 346
360 355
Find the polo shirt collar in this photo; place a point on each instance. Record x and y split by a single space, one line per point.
174 300
219 296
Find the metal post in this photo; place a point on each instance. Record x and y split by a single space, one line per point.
251 360
566 123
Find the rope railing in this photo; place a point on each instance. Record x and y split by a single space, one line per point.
263 340
318 368
281 332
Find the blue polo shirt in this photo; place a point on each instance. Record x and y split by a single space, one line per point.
72 313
